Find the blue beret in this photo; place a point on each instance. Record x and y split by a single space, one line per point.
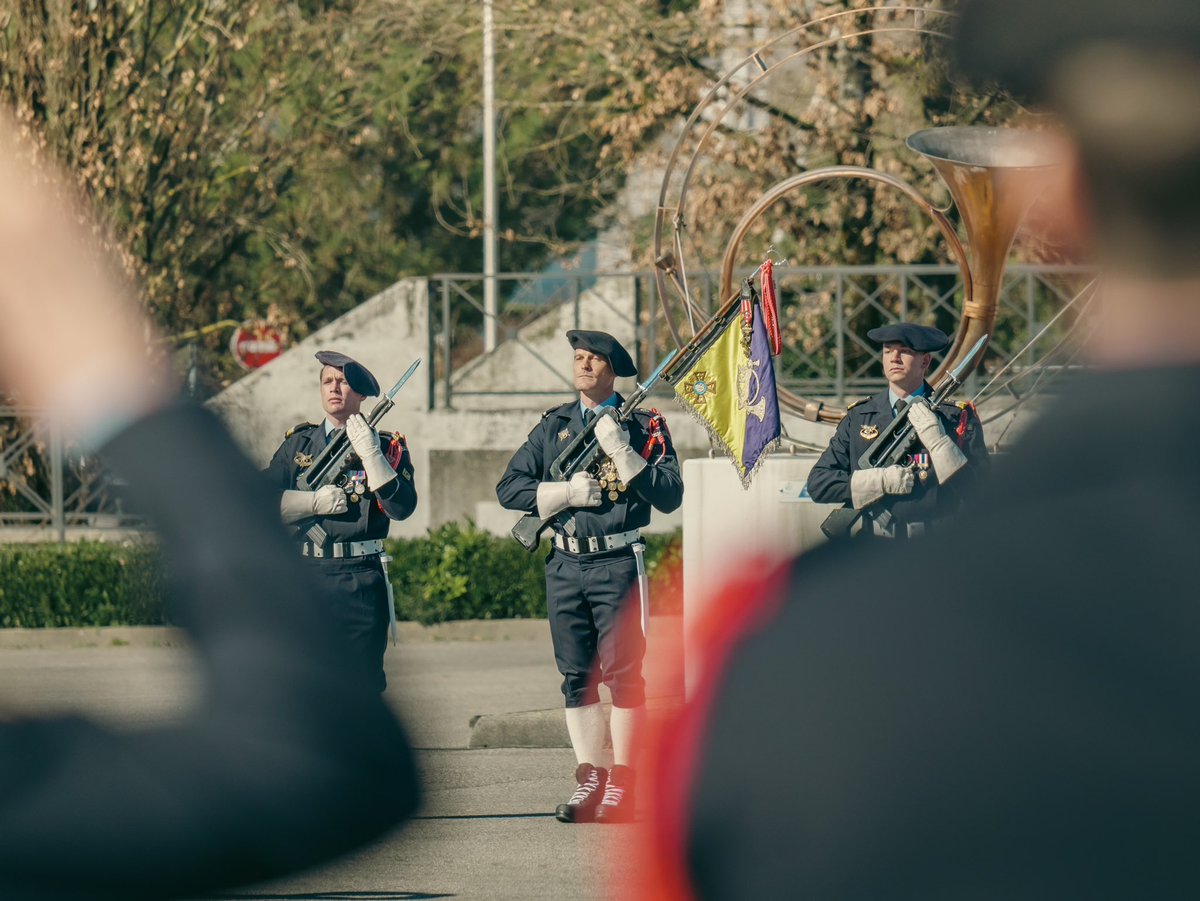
607 346
921 338
358 376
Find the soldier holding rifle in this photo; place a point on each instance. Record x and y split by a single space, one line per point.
343 525
916 495
593 564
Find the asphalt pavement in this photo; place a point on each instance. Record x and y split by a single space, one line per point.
486 828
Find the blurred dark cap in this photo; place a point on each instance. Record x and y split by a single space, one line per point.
607 346
1017 43
358 376
923 339
1123 76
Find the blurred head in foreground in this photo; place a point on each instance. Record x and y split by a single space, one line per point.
1124 80
1019 721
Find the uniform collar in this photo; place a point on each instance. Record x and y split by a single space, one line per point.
892 396
613 401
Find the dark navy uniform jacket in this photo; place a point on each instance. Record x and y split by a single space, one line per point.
1021 726
829 480
362 521
659 485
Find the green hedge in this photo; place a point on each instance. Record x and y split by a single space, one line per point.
462 572
80 584
457 571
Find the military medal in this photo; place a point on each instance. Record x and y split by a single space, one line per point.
922 463
302 459
564 434
608 478
868 432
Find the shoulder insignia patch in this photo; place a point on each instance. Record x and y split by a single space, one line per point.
856 403
299 427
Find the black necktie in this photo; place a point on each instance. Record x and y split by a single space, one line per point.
588 416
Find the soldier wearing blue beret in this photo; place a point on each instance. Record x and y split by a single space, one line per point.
348 566
592 571
919 495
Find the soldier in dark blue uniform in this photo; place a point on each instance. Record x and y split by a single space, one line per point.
591 570
349 563
919 495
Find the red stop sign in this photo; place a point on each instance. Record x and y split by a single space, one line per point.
255 343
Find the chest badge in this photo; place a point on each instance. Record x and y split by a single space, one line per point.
921 462
868 432
302 459
564 434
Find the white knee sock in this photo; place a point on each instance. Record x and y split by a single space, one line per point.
585 725
626 728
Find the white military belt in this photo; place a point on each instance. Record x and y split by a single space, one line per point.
341 549
596 544
902 530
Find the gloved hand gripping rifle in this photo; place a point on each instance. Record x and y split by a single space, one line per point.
895 446
329 466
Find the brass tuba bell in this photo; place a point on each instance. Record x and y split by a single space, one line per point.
994 175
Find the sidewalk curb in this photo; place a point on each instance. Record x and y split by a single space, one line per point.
167 636
541 728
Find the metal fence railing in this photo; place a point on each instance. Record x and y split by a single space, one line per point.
47 487
825 314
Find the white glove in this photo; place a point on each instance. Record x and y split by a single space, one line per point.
614 441
366 444
945 455
869 485
328 500
581 491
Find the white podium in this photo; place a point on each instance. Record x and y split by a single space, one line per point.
725 525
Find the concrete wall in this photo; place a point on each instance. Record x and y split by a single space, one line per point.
386 333
726 528
538 358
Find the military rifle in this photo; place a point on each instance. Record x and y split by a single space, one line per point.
894 447
329 466
583 452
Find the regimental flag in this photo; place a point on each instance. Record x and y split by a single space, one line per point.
731 389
